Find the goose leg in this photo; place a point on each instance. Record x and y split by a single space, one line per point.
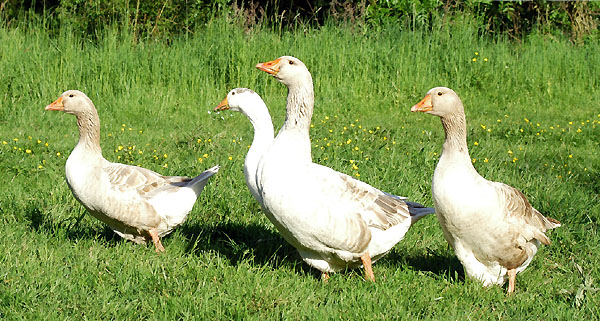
156 240
366 259
325 277
512 278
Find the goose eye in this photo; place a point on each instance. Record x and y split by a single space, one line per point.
232 93
291 62
439 93
71 95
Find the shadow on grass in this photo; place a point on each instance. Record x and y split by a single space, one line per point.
72 228
442 263
248 243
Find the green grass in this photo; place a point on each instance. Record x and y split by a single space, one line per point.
537 99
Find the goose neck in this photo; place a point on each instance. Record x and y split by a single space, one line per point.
299 109
89 131
455 128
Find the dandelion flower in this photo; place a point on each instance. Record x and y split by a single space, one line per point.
485 59
474 160
28 151
476 53
514 160
230 158
476 143
40 166
485 160
474 59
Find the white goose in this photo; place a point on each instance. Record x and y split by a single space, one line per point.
332 219
137 203
493 229
249 103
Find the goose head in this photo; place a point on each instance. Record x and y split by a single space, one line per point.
439 101
72 102
245 101
288 70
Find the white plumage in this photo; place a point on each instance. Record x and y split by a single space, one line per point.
332 219
137 203
493 229
249 103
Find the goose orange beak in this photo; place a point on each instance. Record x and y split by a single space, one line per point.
224 105
270 67
424 105
56 105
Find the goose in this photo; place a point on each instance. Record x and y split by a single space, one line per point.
249 103
334 220
491 226
136 203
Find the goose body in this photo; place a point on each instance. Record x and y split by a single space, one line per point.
491 226
136 203
333 220
250 104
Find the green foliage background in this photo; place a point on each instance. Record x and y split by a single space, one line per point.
168 18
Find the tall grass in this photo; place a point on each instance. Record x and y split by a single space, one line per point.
533 122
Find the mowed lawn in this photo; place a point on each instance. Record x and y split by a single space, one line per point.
533 118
